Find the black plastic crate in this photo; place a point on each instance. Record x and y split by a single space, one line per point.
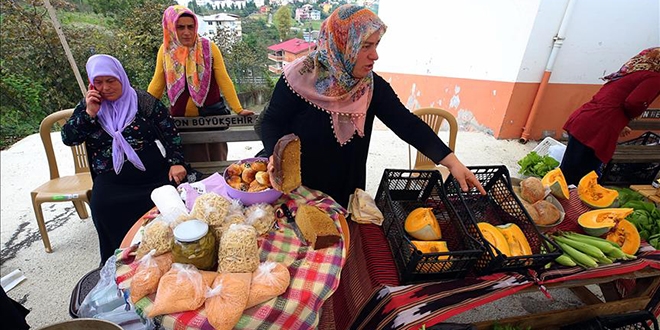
640 320
399 193
620 173
499 206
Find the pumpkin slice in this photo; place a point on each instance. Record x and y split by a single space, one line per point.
518 244
495 238
556 182
626 236
432 247
422 224
594 195
599 222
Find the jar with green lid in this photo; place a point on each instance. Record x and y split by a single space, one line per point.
195 244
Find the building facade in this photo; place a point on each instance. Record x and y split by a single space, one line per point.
286 52
510 67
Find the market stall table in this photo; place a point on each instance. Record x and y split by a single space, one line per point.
314 273
370 295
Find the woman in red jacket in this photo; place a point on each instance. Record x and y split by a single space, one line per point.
594 128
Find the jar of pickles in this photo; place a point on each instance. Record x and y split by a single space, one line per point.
195 244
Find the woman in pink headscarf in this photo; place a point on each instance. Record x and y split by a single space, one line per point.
595 127
330 99
132 145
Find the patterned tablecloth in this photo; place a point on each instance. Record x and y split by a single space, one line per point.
370 296
315 276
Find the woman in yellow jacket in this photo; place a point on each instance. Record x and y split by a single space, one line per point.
193 71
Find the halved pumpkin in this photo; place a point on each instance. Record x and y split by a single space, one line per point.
599 222
626 236
518 244
432 247
422 224
595 195
494 237
556 181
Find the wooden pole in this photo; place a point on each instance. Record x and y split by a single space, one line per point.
65 45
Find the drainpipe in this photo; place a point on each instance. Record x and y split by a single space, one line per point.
558 42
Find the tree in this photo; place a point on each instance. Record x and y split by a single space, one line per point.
283 21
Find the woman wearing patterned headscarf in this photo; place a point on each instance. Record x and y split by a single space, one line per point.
132 145
595 127
193 71
330 99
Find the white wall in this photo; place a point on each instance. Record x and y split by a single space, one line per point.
604 34
476 39
510 40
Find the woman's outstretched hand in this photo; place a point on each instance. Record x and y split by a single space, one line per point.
463 175
246 112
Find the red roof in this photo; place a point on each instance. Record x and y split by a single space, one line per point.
294 46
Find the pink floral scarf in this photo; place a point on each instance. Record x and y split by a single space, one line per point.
324 77
183 64
648 59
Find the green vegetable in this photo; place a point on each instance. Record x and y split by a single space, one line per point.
534 165
646 219
626 195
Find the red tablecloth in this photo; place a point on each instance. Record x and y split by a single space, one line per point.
369 295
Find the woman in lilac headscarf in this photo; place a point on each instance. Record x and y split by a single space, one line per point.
132 145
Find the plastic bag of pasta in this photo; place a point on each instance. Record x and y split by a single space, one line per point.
180 289
270 280
211 208
148 274
157 236
261 217
239 252
234 216
226 300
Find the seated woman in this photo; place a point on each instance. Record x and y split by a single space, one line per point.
330 98
132 145
193 71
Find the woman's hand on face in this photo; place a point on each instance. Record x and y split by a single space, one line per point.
466 179
177 173
93 100
246 112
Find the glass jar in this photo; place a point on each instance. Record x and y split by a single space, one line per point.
195 244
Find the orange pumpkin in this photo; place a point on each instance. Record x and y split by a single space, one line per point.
626 236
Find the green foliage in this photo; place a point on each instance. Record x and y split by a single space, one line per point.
535 165
283 21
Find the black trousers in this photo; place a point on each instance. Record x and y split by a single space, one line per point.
578 161
119 200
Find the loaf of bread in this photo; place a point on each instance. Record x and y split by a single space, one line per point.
286 164
318 228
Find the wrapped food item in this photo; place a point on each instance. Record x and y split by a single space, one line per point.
261 217
239 252
227 298
148 274
211 207
157 236
180 289
234 216
270 280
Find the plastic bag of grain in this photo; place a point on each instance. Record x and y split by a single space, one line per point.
180 289
239 252
148 274
227 298
261 217
270 280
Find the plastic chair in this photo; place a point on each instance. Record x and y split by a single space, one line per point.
75 188
434 118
